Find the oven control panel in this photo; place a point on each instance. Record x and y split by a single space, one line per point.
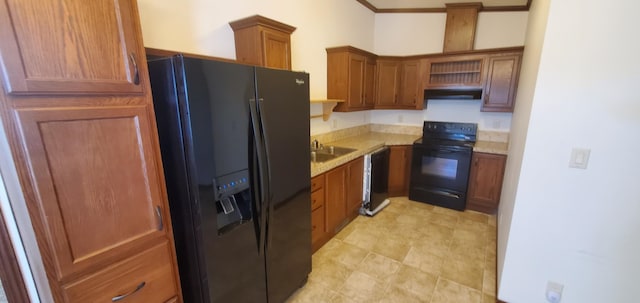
450 130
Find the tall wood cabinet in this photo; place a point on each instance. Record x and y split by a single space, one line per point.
80 121
485 182
350 77
262 41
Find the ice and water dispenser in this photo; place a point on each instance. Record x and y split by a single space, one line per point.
232 193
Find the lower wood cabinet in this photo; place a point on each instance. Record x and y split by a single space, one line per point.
146 277
318 230
335 189
485 182
399 170
355 171
336 197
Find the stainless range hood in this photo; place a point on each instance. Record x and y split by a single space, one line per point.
453 94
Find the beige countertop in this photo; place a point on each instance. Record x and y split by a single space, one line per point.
370 141
491 147
363 144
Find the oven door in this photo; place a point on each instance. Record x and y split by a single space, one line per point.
439 175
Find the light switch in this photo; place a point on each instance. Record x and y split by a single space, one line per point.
579 158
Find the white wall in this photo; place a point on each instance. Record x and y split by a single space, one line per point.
521 113
202 27
580 227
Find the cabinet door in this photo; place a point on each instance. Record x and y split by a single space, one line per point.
485 182
96 185
276 49
73 46
399 164
354 186
387 84
356 81
502 81
335 196
369 82
410 84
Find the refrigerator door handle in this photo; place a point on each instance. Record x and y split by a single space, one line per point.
261 154
267 175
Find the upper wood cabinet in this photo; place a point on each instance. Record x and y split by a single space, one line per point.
45 50
399 84
502 82
262 41
485 182
350 77
411 90
387 83
79 118
460 28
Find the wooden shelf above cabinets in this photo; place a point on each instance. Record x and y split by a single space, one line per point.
327 107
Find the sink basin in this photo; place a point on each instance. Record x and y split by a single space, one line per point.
329 152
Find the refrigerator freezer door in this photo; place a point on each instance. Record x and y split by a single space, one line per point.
218 147
283 101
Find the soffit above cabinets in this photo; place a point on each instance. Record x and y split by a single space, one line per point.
410 6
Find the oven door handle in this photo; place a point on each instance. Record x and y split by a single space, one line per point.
440 192
451 150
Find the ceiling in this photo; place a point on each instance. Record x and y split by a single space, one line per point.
413 6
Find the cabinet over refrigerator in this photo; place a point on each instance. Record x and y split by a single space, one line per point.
235 149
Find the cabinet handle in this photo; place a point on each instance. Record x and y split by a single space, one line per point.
159 215
136 75
120 297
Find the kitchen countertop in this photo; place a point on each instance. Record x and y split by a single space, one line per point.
368 142
364 143
491 147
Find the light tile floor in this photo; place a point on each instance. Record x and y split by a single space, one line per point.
409 252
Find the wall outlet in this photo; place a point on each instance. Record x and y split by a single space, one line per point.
496 124
400 119
554 292
334 123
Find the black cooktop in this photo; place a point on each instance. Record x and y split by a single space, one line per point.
448 133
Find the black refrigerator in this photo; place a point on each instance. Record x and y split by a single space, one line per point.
235 148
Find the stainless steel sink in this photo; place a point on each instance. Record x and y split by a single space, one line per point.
326 153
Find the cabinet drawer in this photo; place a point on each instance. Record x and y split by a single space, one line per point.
150 272
317 224
317 182
317 199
